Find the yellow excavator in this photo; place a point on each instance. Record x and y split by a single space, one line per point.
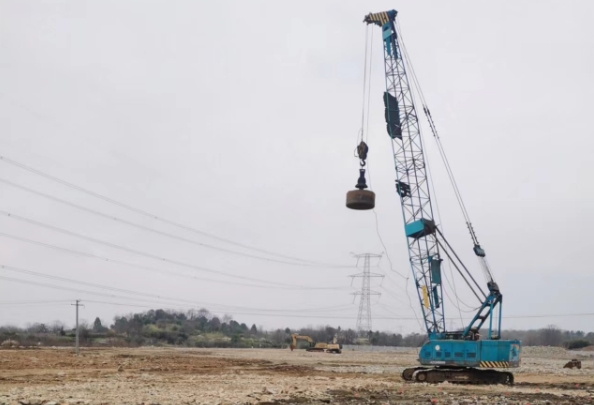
333 347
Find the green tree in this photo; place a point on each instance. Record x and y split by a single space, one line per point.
98 327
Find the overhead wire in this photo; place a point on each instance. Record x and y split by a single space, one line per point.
155 217
56 287
39 302
88 284
160 299
148 229
137 252
162 271
289 315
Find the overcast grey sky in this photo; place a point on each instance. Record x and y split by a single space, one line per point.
240 118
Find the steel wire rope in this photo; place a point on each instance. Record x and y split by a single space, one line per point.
458 300
365 59
482 260
432 184
439 217
423 101
157 218
460 310
369 83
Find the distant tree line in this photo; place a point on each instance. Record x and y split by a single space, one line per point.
551 336
200 328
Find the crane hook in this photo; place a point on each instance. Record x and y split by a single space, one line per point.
362 150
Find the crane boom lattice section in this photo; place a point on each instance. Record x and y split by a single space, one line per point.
412 183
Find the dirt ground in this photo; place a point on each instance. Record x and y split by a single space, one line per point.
266 376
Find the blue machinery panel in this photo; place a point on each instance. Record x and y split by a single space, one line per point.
468 353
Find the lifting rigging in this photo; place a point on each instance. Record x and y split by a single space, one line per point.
455 356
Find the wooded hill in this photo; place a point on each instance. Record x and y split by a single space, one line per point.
200 328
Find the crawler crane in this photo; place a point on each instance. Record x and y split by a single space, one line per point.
456 356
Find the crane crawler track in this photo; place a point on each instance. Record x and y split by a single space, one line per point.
457 375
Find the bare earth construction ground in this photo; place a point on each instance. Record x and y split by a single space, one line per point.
253 376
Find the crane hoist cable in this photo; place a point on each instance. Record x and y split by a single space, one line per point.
477 248
362 199
362 149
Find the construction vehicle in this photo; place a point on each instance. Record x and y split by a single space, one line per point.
295 337
460 356
333 347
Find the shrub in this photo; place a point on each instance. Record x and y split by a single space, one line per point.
577 344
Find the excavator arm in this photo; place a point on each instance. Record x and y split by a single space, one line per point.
295 337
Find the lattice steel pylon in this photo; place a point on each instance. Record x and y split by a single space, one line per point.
364 324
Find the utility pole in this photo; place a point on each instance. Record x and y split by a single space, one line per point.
78 304
364 318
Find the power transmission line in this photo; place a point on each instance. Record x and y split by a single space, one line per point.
163 299
289 315
155 217
139 266
87 284
155 231
35 302
76 290
137 252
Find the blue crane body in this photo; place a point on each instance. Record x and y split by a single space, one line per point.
457 356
